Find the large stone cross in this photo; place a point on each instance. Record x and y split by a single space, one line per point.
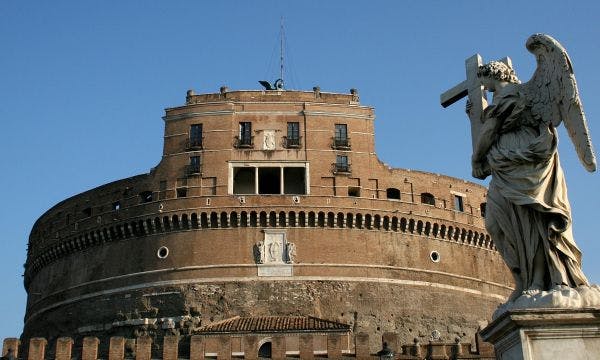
472 88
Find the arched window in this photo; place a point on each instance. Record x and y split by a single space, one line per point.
340 220
393 193
427 198
185 223
302 219
224 222
321 219
214 220
368 221
349 220
263 219
330 219
311 219
282 219
233 218
195 221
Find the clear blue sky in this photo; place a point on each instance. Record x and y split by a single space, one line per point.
83 86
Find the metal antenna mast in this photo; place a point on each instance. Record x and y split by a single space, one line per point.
281 51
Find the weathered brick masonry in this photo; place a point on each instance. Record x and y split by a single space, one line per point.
266 203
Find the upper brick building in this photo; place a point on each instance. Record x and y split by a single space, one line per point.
266 203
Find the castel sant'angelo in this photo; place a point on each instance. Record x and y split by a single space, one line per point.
269 227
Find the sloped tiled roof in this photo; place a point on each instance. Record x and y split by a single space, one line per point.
272 324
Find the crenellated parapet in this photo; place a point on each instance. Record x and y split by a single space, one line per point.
307 345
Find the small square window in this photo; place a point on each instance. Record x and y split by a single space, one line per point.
146 196
181 192
353 191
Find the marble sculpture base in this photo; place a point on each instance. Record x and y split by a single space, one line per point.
536 334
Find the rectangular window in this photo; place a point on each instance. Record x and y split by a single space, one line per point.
146 196
181 192
458 203
162 190
196 136
194 167
257 179
244 180
293 134
341 163
269 180
341 136
245 137
294 180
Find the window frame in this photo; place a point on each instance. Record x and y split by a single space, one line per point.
195 135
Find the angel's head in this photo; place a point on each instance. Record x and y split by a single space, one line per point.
498 71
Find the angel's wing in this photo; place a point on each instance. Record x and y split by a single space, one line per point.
554 95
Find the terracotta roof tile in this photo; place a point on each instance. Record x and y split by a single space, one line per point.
269 324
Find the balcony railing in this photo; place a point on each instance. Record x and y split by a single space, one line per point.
341 143
191 170
340 168
291 143
244 142
193 144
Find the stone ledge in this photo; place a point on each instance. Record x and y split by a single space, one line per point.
545 334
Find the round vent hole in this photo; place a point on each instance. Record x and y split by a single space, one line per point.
162 252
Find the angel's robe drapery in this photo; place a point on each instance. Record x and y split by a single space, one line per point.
527 204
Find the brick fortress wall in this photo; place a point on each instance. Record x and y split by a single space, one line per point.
381 249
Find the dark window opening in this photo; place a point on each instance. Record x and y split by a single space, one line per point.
482 209
341 136
116 206
427 198
181 192
269 181
146 196
293 135
294 180
353 191
195 136
341 164
393 193
194 166
458 203
245 137
87 212
264 352
243 180
263 219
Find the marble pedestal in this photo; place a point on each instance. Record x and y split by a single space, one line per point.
536 334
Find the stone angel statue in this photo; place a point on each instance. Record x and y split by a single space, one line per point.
528 214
